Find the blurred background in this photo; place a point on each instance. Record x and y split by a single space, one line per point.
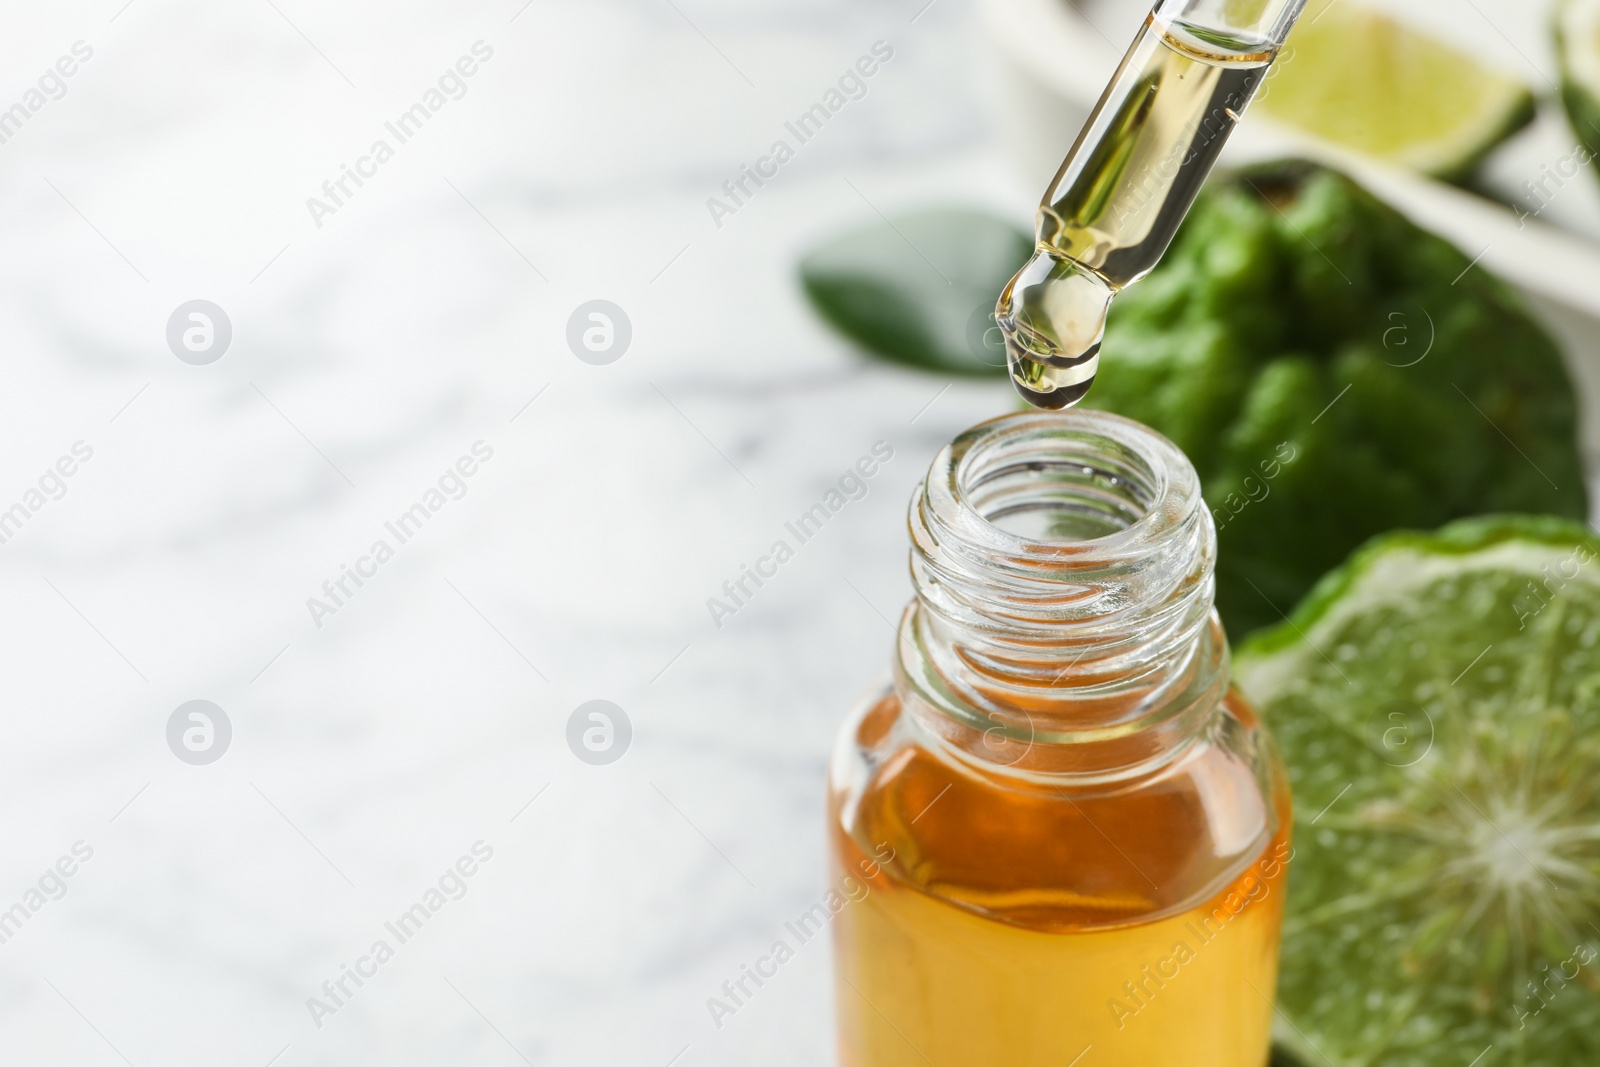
403 360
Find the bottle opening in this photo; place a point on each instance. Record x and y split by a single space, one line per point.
1087 510
1063 571
1062 487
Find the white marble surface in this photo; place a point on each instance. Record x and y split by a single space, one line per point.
368 754
371 752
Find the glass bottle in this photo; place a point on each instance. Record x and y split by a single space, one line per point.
1064 835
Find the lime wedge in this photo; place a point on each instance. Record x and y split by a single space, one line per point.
1360 79
1578 49
1438 701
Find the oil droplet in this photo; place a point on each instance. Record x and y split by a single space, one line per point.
1053 316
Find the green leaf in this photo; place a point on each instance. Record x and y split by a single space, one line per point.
920 288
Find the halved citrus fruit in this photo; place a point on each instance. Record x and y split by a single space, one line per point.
1438 702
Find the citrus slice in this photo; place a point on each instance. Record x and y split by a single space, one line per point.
1438 702
1360 79
1578 49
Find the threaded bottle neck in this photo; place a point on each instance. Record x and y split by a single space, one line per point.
1063 617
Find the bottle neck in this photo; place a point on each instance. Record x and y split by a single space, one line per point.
1063 618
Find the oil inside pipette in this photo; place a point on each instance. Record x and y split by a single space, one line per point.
1119 196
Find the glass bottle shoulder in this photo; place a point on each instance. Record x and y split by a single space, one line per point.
1036 853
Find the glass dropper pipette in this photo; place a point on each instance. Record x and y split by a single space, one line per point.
1129 180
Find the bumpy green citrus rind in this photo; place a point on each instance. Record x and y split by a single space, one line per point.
1460 538
1438 702
1334 371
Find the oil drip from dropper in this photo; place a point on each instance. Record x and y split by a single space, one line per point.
1053 317
1119 196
